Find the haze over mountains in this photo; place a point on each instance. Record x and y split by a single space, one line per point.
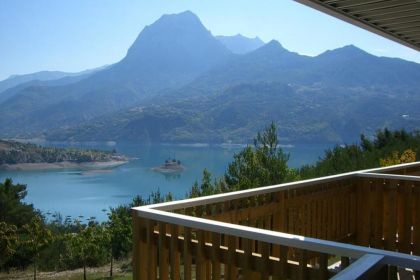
179 83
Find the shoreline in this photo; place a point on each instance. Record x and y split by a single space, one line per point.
62 165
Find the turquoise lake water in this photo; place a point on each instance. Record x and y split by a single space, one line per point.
86 193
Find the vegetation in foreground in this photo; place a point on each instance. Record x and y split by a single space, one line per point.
28 240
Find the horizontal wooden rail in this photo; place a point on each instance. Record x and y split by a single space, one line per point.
389 176
365 267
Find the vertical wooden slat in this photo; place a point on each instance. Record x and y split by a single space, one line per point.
352 208
313 218
163 253
416 219
303 261
404 216
151 251
174 260
278 220
230 266
324 216
390 216
247 259
363 212
319 207
345 261
416 222
323 267
265 256
283 262
200 256
377 213
215 256
187 257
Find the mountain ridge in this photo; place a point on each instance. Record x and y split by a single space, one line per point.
178 82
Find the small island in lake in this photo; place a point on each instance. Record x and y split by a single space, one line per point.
170 166
24 156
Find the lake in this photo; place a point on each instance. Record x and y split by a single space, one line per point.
87 193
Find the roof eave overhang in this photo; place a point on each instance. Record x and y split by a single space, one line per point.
348 17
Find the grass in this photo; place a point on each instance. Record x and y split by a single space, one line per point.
97 273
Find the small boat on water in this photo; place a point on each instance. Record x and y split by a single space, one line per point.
170 166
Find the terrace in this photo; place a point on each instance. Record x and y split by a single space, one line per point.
363 224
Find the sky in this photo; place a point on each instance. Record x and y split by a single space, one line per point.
74 35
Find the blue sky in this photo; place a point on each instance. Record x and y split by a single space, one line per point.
73 35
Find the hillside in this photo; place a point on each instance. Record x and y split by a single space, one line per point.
303 114
13 153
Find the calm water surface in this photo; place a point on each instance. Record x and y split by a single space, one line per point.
86 193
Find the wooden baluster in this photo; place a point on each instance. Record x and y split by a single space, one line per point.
151 251
265 252
187 254
278 220
353 210
163 253
363 212
283 262
215 256
201 256
390 222
404 216
303 262
323 267
247 259
174 260
345 262
230 266
377 216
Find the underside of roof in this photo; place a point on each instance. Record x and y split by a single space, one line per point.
398 20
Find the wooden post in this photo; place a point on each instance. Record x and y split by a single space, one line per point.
139 261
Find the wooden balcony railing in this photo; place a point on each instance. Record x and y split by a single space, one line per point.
360 224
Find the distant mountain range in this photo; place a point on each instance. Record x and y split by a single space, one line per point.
57 77
179 83
240 44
